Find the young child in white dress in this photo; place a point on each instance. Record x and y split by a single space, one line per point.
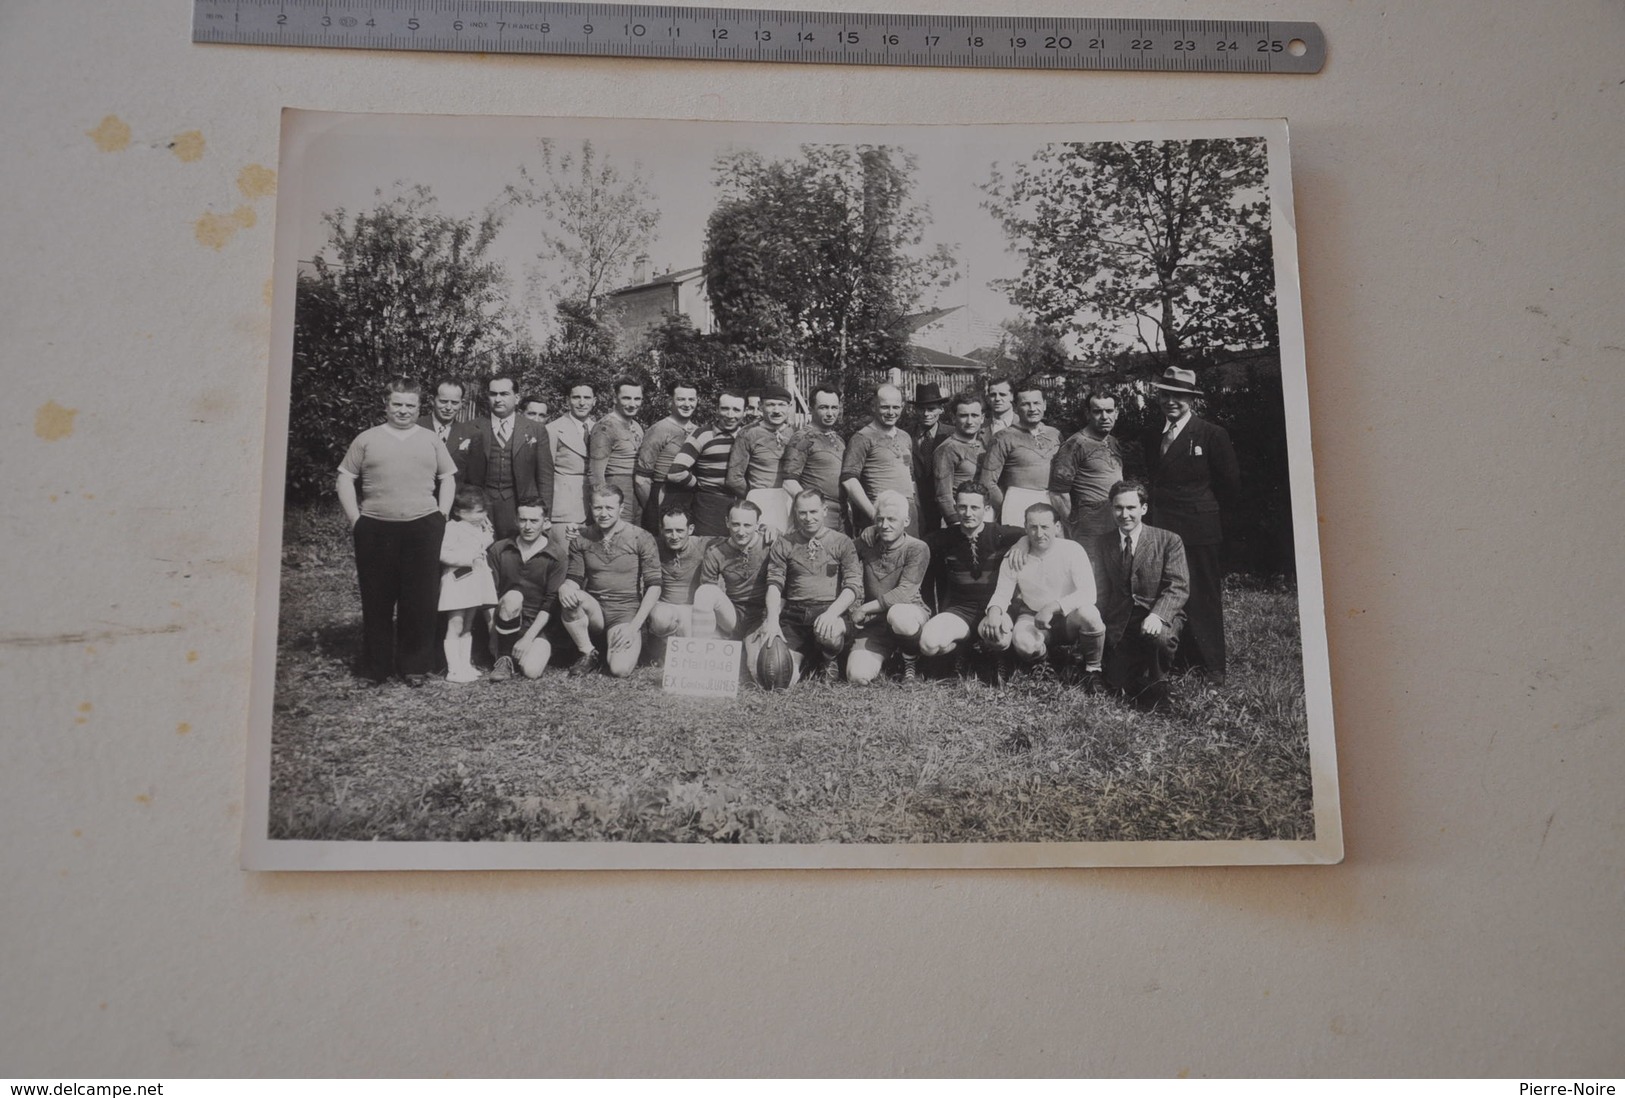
466 583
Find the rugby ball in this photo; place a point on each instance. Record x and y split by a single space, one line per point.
775 668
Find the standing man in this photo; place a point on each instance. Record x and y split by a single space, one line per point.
1193 474
1086 466
1001 400
518 457
756 463
1141 584
681 553
893 612
1052 584
701 466
612 446
880 458
396 484
613 587
1017 464
753 409
964 571
812 577
534 408
660 444
462 440
929 403
813 457
529 569
958 458
569 433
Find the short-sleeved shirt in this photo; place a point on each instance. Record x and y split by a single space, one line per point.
742 573
1086 467
1019 458
954 461
893 574
757 459
880 461
680 572
616 567
538 578
396 471
815 569
660 444
612 448
813 459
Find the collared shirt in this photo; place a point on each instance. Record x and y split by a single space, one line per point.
880 460
618 566
757 458
893 574
702 461
815 569
612 448
660 444
955 460
1171 429
742 573
538 577
680 571
502 428
1063 575
1086 467
812 458
569 436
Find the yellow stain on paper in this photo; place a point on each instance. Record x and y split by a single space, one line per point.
52 421
183 728
256 181
84 713
142 798
191 657
265 293
214 230
112 136
188 146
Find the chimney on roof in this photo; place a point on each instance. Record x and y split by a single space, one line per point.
640 269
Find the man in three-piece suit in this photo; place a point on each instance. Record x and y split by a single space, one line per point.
1141 586
1193 472
462 439
518 458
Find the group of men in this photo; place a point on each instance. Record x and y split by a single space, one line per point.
990 531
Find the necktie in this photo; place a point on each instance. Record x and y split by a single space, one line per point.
1167 437
503 430
1128 562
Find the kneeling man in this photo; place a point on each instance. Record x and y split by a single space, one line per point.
529 569
893 614
613 586
1142 582
1053 584
812 577
681 553
964 570
732 591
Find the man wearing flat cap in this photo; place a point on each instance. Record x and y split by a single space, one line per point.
756 464
1193 474
929 404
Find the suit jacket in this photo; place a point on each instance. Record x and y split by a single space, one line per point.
531 449
1191 481
1161 580
467 448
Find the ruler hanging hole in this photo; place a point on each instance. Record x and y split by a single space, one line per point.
1297 47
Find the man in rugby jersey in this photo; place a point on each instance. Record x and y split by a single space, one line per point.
1088 463
612 446
880 457
701 466
813 576
814 455
1017 463
893 612
660 444
613 587
756 464
681 552
731 600
963 572
958 459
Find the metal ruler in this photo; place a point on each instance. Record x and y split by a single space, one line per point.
751 34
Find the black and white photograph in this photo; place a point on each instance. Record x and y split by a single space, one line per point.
755 495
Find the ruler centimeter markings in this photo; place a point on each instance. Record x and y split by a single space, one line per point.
751 34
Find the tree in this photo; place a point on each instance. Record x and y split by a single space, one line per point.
819 257
1125 238
600 220
401 288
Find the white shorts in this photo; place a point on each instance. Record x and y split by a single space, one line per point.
775 505
1016 502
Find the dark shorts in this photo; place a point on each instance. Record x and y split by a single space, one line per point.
969 613
796 621
750 620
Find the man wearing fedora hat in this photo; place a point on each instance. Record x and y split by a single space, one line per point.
1193 472
929 404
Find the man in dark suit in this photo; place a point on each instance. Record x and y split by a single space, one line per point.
518 457
929 404
1141 586
462 438
1193 472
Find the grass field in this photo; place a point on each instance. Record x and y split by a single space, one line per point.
599 759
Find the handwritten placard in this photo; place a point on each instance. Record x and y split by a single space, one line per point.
702 668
